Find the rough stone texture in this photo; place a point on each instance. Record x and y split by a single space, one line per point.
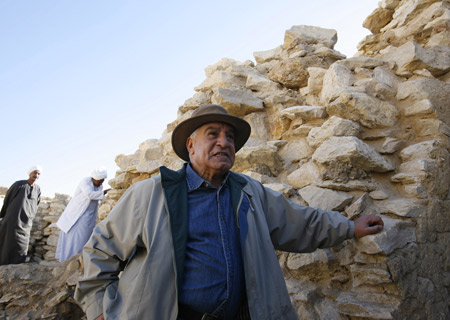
363 135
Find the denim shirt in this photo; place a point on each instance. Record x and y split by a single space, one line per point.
213 278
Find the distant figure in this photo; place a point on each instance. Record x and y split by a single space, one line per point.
16 218
78 219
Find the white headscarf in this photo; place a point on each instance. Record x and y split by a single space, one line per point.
34 168
99 173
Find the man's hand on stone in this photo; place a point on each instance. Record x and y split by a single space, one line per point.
366 225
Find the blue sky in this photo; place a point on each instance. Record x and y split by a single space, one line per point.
83 81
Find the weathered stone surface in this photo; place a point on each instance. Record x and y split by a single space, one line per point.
295 150
334 126
297 261
411 56
395 235
324 198
257 82
353 151
310 34
303 176
304 112
378 19
365 304
362 108
238 102
369 275
150 166
221 79
268 55
315 79
263 159
401 207
337 80
293 73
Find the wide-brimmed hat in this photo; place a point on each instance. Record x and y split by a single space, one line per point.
205 114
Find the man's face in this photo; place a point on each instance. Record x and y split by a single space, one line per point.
34 175
211 150
97 183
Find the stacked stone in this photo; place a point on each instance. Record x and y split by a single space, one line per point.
364 135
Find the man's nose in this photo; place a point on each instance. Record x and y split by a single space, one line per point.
223 140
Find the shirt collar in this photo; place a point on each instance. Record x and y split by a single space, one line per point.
194 181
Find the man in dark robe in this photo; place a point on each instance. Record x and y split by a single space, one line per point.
16 217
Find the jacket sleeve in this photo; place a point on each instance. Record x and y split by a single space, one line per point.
296 228
108 250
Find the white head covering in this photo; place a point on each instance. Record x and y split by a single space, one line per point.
34 168
99 173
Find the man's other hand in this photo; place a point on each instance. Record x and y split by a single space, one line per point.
368 225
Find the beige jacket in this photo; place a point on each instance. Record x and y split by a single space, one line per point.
141 237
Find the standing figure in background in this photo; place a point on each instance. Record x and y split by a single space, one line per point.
79 218
16 217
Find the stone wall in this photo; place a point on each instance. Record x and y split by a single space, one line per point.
362 135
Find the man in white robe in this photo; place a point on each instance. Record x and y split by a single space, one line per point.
78 219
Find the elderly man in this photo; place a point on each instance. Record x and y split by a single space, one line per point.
16 217
79 218
199 243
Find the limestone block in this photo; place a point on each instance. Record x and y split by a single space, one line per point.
437 92
295 150
310 34
221 79
283 188
395 235
121 181
401 207
292 73
385 76
390 4
52 240
362 108
125 161
324 198
304 112
354 63
337 79
297 261
150 166
421 107
315 80
198 99
378 19
238 102
421 150
261 159
378 195
369 275
331 54
268 55
334 126
353 151
258 123
351 185
411 56
220 65
432 127
257 83
362 206
391 145
303 176
369 305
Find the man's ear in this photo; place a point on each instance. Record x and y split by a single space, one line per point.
189 144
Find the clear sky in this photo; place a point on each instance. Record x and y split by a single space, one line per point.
84 81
